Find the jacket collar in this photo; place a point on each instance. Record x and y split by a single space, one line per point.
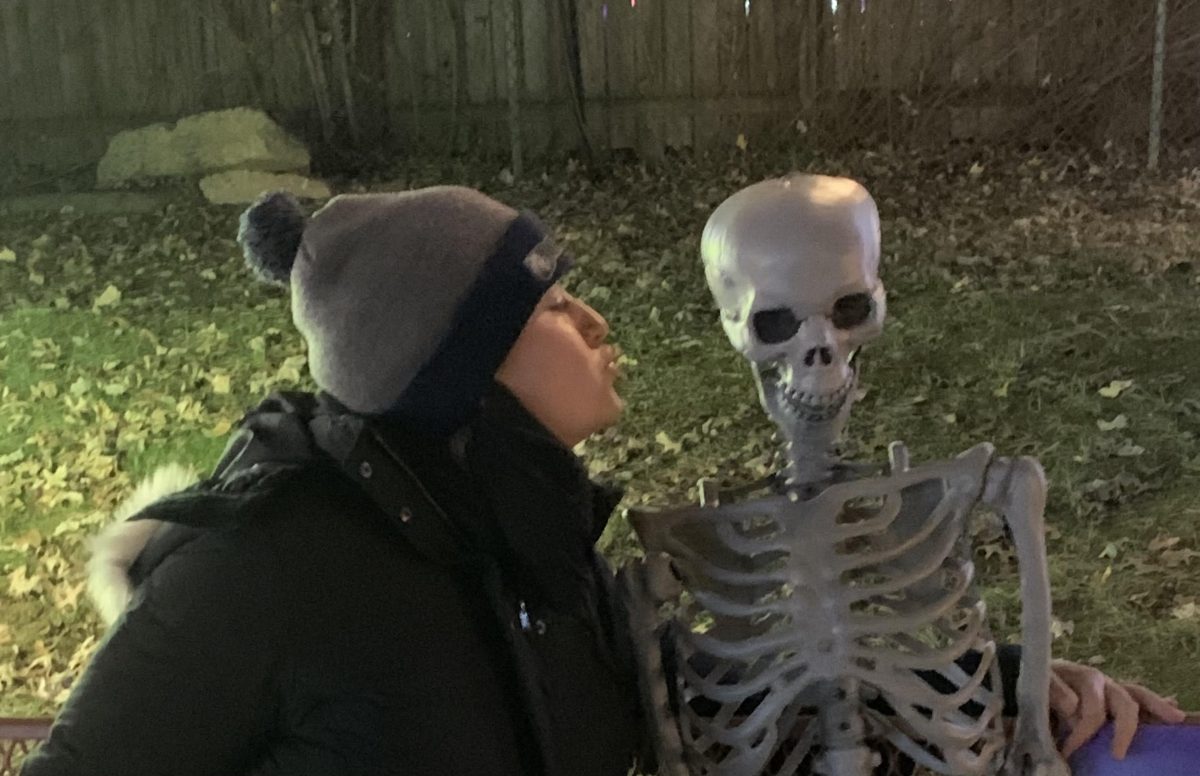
559 461
509 466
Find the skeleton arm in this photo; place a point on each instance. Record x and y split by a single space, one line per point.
1016 488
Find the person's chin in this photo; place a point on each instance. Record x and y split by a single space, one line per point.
618 409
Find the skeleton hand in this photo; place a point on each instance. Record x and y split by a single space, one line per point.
1083 699
1030 756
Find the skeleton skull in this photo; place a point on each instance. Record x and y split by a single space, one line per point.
793 264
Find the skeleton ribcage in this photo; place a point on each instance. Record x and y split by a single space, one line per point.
802 622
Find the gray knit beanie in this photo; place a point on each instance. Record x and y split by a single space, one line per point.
409 301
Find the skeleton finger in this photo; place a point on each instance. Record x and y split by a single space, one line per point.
898 457
1124 711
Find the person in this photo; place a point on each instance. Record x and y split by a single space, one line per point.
396 574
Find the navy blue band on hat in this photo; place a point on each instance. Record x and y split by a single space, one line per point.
448 389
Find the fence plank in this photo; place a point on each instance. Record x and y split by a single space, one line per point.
593 39
535 30
45 76
788 43
621 43
75 49
481 88
706 72
764 63
733 46
408 54
14 81
501 10
677 70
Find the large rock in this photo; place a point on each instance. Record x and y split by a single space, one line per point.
240 138
238 187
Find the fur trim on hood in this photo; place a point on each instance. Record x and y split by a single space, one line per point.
116 547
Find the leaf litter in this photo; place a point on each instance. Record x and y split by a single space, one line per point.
1040 307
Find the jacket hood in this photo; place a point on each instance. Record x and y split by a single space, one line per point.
116 547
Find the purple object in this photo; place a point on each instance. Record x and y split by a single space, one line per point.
1157 750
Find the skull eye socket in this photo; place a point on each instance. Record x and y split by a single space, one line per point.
851 310
775 326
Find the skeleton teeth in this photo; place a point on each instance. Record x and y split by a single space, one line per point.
816 407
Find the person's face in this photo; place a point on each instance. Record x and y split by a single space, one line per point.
562 371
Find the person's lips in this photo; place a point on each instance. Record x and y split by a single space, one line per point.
612 355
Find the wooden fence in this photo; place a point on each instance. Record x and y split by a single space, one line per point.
650 72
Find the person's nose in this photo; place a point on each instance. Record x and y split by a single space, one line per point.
592 325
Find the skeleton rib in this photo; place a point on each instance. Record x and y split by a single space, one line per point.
887 515
947 729
958 762
737 578
746 729
741 650
936 518
737 693
867 625
749 547
915 690
930 658
936 555
721 605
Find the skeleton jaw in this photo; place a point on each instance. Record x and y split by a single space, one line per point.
815 407
810 423
791 406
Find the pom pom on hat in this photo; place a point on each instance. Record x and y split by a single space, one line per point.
270 232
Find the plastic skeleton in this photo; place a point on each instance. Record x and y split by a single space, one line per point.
801 618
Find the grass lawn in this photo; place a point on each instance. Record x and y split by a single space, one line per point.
1044 303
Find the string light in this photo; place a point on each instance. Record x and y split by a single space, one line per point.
747 7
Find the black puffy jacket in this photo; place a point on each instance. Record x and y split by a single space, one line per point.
343 598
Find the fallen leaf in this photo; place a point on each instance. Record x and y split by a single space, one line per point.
1060 628
1118 422
7 255
1115 388
1130 450
20 584
666 443
1174 558
1162 542
220 384
1188 611
27 541
108 297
